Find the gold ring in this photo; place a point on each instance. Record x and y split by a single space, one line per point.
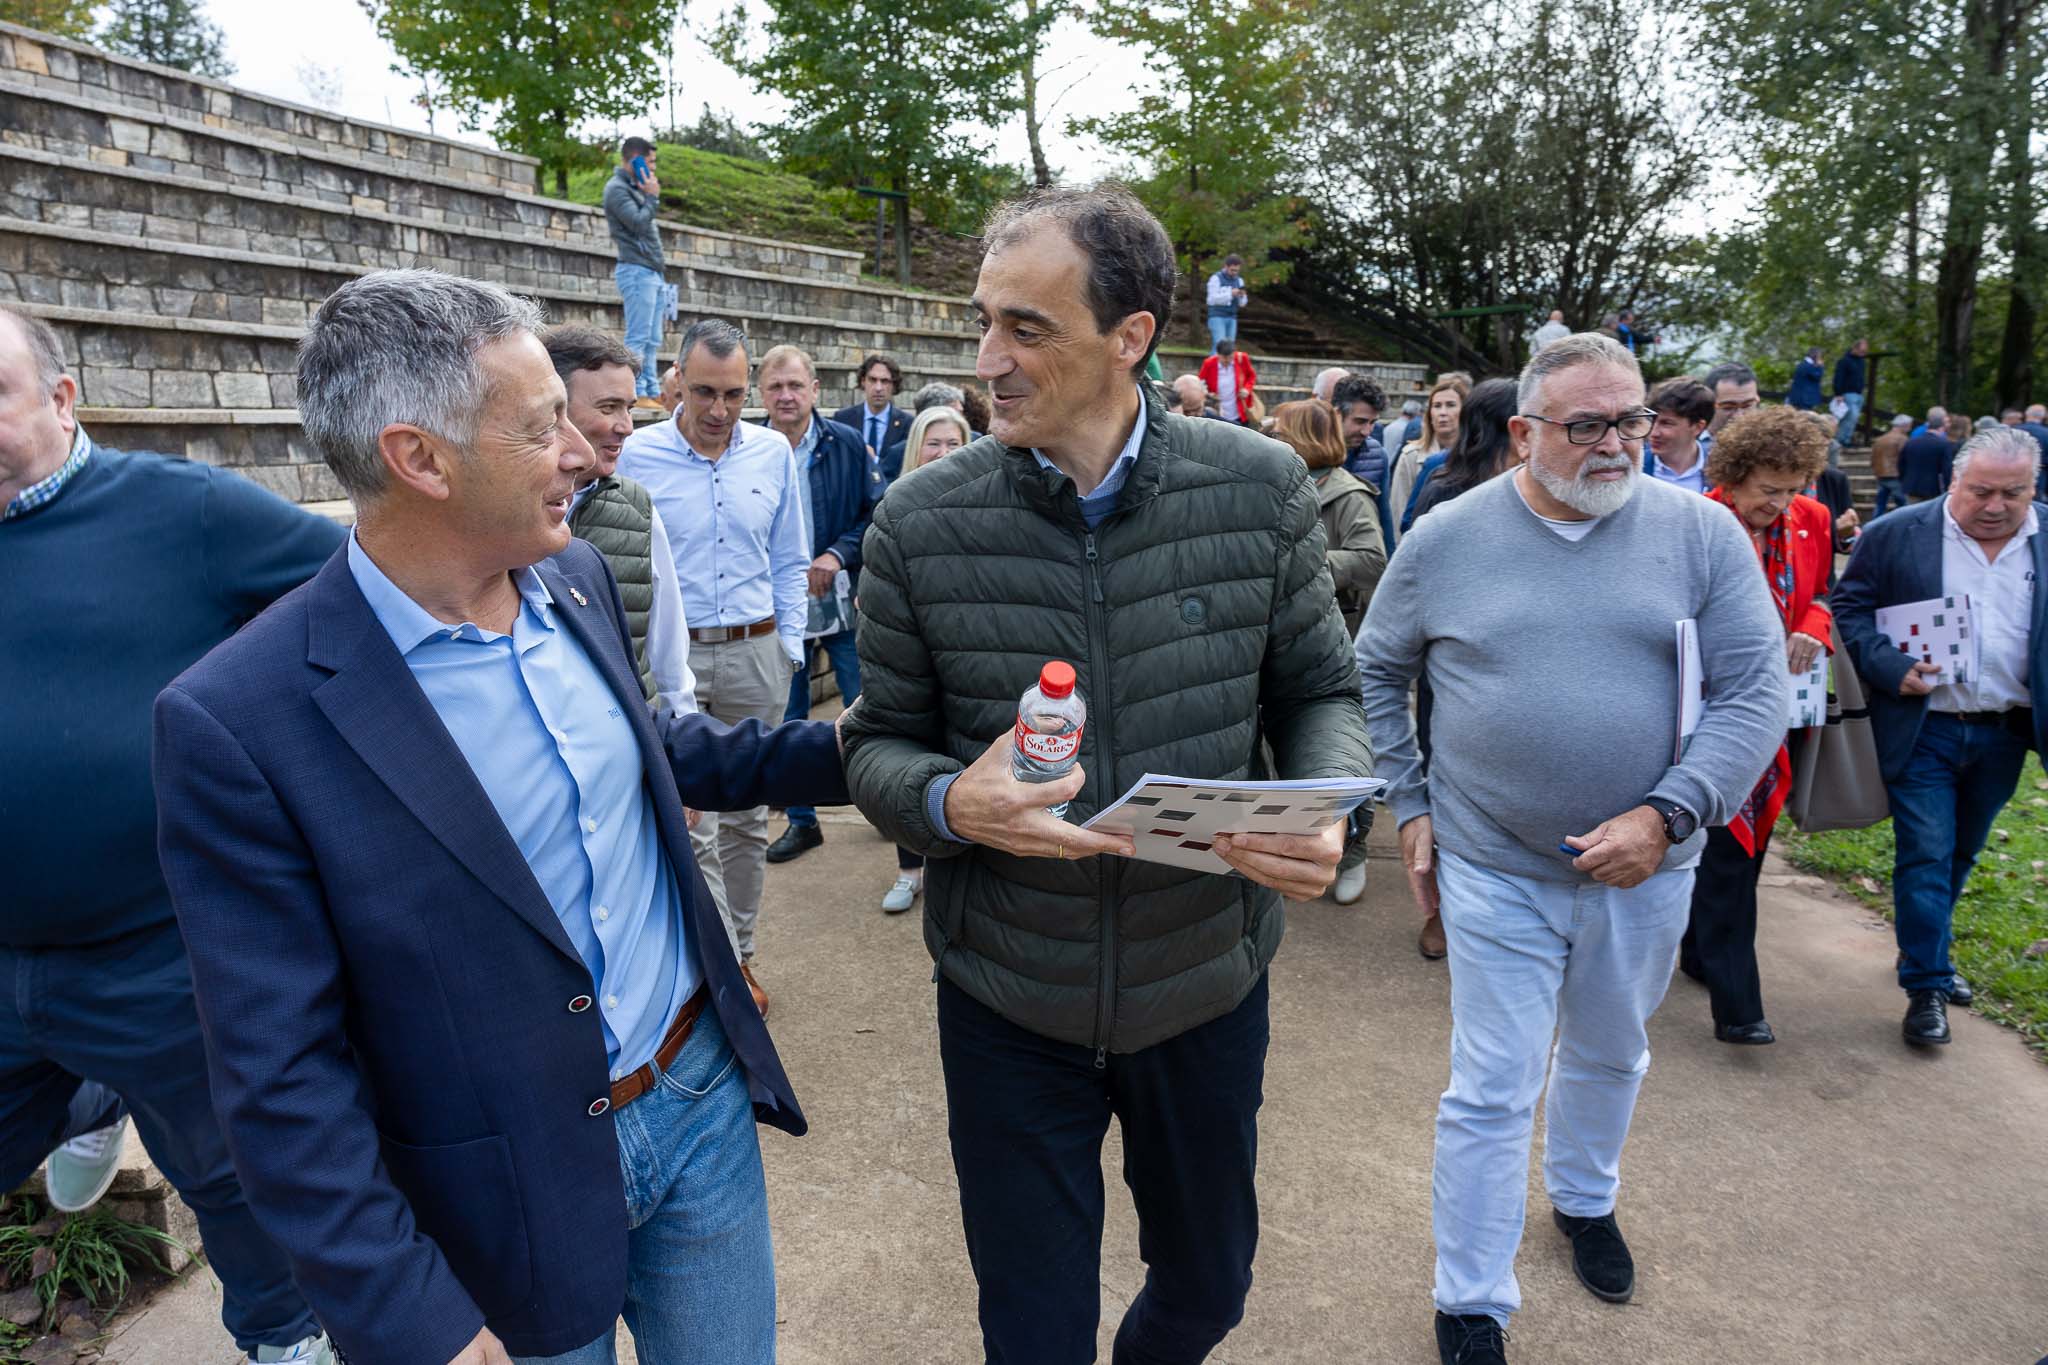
1063 850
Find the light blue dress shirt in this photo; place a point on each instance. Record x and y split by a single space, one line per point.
806 453
1694 479
1099 503
546 738
736 524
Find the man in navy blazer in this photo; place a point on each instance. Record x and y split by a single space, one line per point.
481 1048
1950 747
876 417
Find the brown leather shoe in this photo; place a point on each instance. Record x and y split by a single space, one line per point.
761 996
1431 941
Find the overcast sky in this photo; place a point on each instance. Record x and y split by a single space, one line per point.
332 44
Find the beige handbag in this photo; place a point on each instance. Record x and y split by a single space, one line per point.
1836 783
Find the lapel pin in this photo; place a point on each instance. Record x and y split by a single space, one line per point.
581 600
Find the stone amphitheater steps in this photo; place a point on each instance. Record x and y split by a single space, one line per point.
178 233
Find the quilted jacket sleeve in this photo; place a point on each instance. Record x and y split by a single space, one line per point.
895 732
1308 683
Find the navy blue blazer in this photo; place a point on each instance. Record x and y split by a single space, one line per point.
1898 559
385 991
846 483
856 416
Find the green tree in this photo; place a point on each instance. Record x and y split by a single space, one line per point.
65 18
891 93
167 32
1215 134
533 69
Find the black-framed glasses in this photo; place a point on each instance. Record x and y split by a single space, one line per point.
1630 426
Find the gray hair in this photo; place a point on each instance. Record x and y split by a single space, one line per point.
715 335
2000 443
399 346
1902 419
1567 353
1411 407
938 395
1325 382
43 347
1937 416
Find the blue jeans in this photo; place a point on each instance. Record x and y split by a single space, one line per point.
1027 1117
1889 494
1846 432
839 648
700 1268
640 291
121 1013
1221 328
1585 963
1958 779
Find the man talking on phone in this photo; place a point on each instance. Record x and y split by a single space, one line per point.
632 198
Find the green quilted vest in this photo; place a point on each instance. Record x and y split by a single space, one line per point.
617 517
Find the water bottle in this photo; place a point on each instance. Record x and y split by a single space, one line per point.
1049 722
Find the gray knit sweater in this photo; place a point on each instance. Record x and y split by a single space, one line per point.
1555 671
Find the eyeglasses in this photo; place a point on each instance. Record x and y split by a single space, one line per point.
1631 426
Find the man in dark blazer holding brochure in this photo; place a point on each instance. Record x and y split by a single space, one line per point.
483 1054
1950 748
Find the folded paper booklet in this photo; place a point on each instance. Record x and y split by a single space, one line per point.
1175 820
1810 695
1692 686
1940 631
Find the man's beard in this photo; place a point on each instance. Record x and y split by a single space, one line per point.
1582 493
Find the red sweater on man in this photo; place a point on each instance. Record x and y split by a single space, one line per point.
1247 378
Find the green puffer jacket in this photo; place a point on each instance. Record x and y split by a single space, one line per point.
1201 620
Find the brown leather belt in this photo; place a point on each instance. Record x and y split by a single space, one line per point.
638 1083
719 635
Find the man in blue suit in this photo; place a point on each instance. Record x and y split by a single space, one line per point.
1950 747
485 1060
876 417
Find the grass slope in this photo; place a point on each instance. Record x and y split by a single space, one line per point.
2003 911
733 194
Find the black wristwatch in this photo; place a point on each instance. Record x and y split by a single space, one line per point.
1680 824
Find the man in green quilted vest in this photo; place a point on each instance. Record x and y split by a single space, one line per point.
616 515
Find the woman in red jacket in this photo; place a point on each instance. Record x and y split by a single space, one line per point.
1233 386
1759 466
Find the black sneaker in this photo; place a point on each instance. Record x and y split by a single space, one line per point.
1926 1018
794 842
1599 1255
1473 1340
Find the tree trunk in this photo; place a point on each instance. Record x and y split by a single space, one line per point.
2024 246
1989 28
1041 172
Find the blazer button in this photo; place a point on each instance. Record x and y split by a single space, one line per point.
598 1106
579 1004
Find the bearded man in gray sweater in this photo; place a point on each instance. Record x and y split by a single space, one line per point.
1551 827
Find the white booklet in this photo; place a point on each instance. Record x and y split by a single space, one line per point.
1692 686
1810 695
1175 820
1940 630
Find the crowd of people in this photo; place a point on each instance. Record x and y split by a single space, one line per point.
402 883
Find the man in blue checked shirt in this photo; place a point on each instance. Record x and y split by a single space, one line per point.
732 499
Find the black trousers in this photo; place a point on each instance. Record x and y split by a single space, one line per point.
1027 1117
1719 947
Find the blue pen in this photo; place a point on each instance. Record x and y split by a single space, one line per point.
1568 851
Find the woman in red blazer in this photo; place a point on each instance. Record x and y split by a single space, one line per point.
1760 468
1236 406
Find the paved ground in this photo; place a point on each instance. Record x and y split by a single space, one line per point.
1834 1198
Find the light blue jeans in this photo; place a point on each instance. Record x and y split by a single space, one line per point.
1219 328
700 1269
1846 431
640 291
1529 959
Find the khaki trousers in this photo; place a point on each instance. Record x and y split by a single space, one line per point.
738 680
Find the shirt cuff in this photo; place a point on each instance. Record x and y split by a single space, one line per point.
935 807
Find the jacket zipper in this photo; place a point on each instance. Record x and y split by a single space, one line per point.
1104 771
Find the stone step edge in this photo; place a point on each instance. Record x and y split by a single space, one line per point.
42 39
98 237
585 244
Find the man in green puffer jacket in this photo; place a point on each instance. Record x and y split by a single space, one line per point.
1179 566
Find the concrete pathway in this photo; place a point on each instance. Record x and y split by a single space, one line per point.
1835 1198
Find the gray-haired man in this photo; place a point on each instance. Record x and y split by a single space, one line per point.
1552 830
732 499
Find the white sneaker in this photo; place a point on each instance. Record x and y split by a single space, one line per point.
84 1168
1350 884
904 893
311 1351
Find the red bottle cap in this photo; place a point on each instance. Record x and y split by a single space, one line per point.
1056 679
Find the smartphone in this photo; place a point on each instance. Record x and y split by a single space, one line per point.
639 170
